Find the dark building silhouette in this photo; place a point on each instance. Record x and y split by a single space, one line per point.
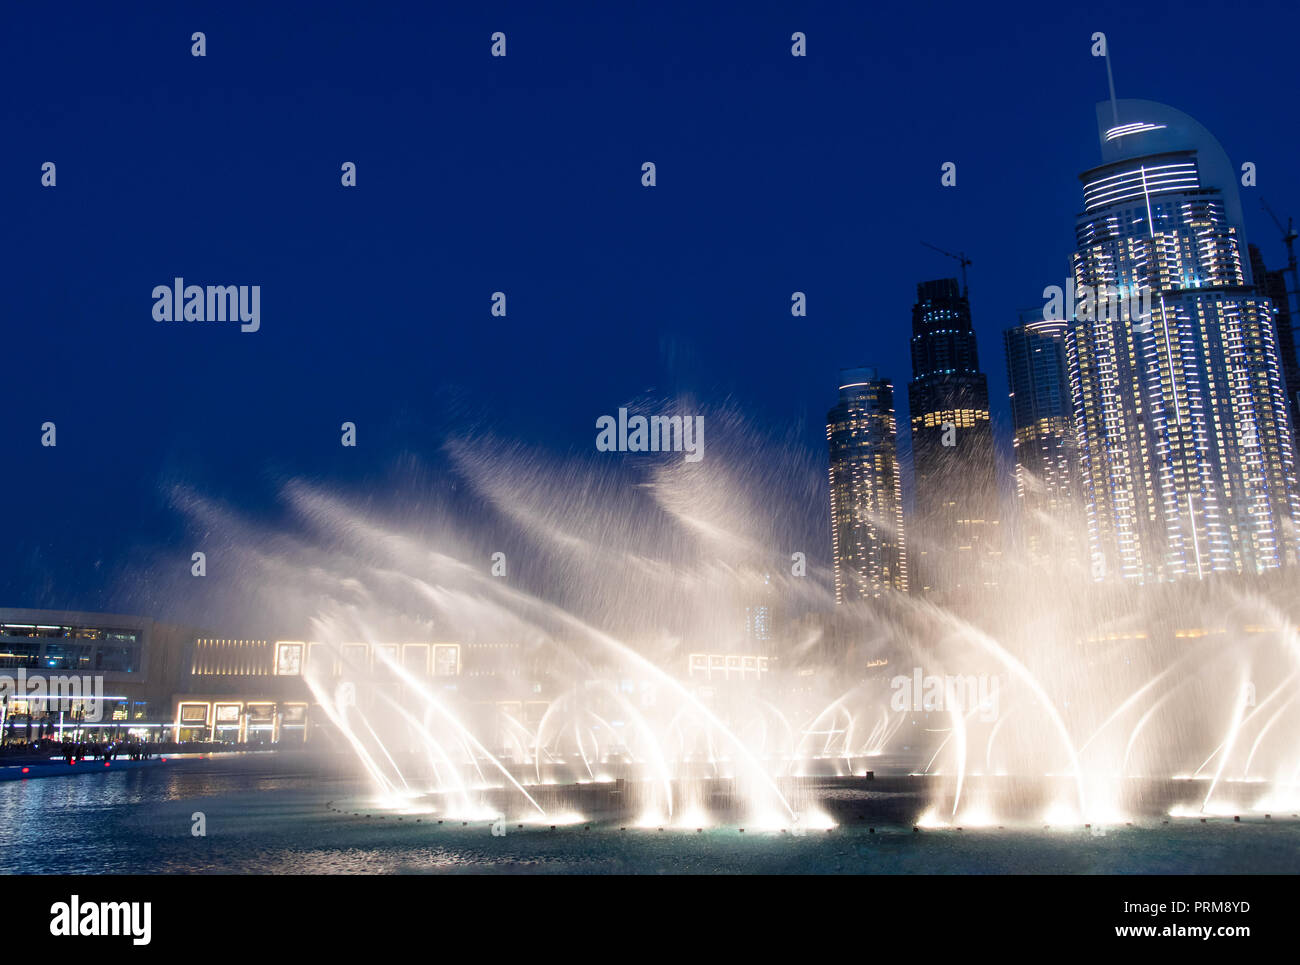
1273 285
955 532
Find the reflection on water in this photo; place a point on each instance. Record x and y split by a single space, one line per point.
269 816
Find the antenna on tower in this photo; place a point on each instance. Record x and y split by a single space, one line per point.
1110 79
965 289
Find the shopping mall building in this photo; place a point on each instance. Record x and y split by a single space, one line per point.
107 674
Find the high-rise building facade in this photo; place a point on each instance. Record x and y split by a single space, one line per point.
1186 456
1050 520
758 617
1274 285
866 489
955 534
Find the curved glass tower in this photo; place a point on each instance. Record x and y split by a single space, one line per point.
1185 448
1047 476
866 493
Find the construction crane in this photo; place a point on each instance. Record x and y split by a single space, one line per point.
1289 235
965 289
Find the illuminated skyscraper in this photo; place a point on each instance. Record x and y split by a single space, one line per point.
955 537
758 618
1047 457
866 492
1186 454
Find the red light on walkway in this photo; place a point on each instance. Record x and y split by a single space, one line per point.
25 770
106 763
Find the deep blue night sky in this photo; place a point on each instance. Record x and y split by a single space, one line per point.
522 174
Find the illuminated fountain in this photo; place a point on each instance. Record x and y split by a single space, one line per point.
601 579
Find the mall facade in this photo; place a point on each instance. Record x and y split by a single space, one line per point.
107 675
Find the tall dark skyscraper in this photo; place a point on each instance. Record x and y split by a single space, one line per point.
1050 520
1186 451
955 533
1273 284
866 489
